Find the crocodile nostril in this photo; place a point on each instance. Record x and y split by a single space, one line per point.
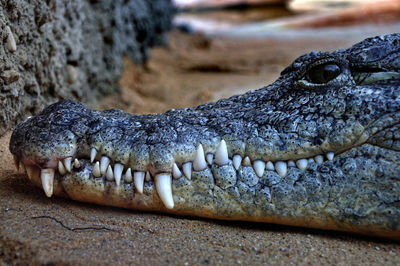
318 140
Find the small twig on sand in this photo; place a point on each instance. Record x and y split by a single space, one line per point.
72 228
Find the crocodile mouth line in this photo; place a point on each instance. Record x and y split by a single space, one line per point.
103 168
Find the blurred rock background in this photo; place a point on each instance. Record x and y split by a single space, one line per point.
53 50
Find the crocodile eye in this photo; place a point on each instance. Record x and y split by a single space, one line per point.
323 73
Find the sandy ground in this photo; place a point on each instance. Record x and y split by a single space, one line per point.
191 70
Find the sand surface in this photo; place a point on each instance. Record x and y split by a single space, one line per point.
191 70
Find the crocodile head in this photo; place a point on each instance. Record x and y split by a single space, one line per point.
320 147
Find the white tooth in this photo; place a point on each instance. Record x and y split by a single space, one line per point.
199 163
311 160
109 174
61 168
67 163
270 166
210 158
93 154
77 164
176 173
281 168
259 167
291 163
164 189
22 166
138 178
319 159
118 168
30 170
330 156
128 176
147 178
187 170
16 163
104 162
96 170
302 164
237 160
246 161
221 154
47 176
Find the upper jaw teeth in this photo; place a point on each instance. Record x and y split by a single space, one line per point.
163 181
68 163
104 162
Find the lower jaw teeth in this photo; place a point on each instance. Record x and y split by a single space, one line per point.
138 178
47 177
164 189
61 168
96 170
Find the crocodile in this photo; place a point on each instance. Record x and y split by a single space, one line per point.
318 148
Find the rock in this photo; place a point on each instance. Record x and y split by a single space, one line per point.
72 74
9 76
71 49
11 44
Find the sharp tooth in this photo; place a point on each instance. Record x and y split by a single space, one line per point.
199 163
246 161
281 168
147 178
104 162
187 170
47 176
16 163
270 166
61 168
30 170
77 164
237 160
330 156
138 178
176 173
118 168
96 170
210 158
22 166
93 154
291 163
67 163
302 164
319 159
128 176
221 154
109 174
164 189
259 167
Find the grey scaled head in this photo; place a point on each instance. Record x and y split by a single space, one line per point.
53 134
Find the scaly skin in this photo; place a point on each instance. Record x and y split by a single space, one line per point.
344 103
